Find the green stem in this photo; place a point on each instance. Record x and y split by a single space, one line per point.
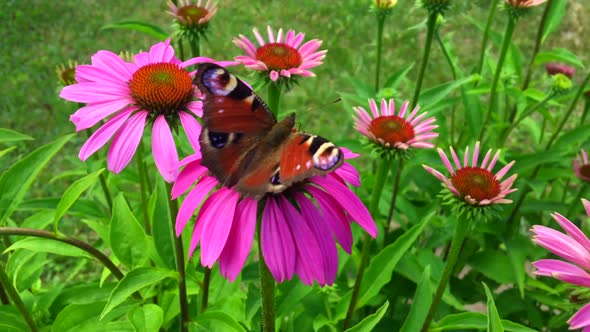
525 113
486 33
585 112
447 56
382 171
380 24
18 302
102 177
576 202
76 243
267 286
3 296
537 47
431 25
511 225
206 284
396 188
458 238
564 194
503 51
143 187
180 48
274 98
195 47
179 255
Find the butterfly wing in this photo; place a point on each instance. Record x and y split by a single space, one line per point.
235 120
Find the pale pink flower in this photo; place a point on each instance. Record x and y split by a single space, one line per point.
299 227
400 131
524 3
476 184
155 89
282 55
190 15
581 166
574 247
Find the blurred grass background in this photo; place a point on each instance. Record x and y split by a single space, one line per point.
40 35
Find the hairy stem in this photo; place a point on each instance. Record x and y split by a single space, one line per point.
380 25
18 302
143 187
206 284
396 188
274 98
431 25
195 44
486 33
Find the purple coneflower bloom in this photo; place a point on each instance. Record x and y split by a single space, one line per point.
476 184
299 227
558 68
400 131
193 14
573 246
281 56
156 88
581 166
524 3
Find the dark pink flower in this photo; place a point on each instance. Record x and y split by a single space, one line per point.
558 68
574 247
582 166
299 227
155 89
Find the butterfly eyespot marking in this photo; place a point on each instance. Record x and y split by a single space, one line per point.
325 154
275 179
219 81
218 140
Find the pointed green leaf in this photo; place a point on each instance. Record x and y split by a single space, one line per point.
147 28
50 246
367 324
82 207
134 281
148 318
554 17
379 272
74 315
430 97
15 182
558 55
72 194
12 320
7 150
162 232
473 321
494 323
215 318
127 237
7 135
420 304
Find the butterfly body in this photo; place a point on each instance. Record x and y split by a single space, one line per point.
244 146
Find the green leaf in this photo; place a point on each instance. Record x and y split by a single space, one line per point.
494 323
7 135
394 80
15 182
213 318
529 161
558 55
162 232
82 207
147 28
494 264
554 17
72 194
51 246
11 319
572 138
430 97
127 237
25 268
75 315
379 272
147 318
367 324
134 281
517 253
7 150
420 304
473 321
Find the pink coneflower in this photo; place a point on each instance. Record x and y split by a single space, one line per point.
477 185
191 15
299 228
524 3
558 68
573 246
395 131
581 166
156 88
280 56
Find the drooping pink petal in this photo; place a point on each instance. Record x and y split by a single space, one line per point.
192 201
581 318
164 149
192 128
278 246
334 216
103 134
563 271
191 172
216 226
240 239
90 115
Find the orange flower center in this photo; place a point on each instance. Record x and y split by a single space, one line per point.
476 182
277 56
161 87
392 129
585 170
192 14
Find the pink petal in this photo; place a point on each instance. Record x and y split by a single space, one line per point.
563 271
125 142
572 230
274 75
334 216
240 239
90 115
278 247
164 149
192 128
103 134
189 175
217 225
581 318
192 202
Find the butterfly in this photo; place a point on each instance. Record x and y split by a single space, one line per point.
244 146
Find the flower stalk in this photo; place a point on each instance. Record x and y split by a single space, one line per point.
486 32
102 178
431 26
400 167
206 284
493 90
180 267
382 171
18 302
380 25
456 244
274 98
143 187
